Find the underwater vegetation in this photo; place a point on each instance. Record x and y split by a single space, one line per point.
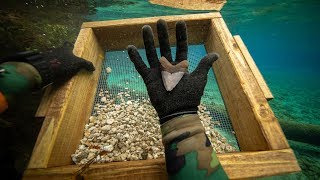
40 24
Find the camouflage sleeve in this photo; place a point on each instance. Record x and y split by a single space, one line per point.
16 78
188 151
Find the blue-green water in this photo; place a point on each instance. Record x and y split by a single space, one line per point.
282 37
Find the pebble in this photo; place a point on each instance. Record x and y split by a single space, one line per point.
106 128
103 99
126 130
109 70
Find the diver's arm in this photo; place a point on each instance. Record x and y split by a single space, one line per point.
188 151
23 72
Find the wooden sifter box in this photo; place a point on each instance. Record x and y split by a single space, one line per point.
264 150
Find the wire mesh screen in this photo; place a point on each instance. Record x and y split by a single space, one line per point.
123 78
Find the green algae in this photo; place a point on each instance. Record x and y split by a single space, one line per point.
29 28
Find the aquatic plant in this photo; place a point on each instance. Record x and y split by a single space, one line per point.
36 25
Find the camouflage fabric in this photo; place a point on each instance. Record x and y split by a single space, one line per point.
17 78
189 154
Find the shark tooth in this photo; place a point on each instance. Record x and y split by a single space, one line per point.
172 74
170 80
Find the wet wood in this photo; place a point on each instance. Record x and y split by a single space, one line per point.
259 164
237 165
45 103
80 101
253 121
64 123
246 55
118 34
192 4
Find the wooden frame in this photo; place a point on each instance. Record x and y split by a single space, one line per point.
264 148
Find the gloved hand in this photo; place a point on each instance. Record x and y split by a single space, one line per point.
26 71
186 96
54 66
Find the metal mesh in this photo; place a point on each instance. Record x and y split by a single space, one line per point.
124 78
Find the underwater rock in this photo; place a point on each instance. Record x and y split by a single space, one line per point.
103 99
106 128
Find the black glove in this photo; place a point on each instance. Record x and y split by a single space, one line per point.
54 66
186 96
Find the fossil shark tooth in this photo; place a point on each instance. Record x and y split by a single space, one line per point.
172 74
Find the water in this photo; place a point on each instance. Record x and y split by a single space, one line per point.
282 37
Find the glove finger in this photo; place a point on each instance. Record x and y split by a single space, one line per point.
149 46
205 64
163 37
68 44
182 41
137 61
86 65
34 57
21 56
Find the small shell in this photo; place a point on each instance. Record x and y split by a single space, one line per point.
110 121
109 70
103 99
106 128
129 102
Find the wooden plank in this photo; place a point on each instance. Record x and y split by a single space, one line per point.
237 165
245 53
143 169
49 130
149 20
253 121
63 126
118 34
192 4
80 101
45 102
259 164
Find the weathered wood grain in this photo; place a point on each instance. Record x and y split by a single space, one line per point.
246 55
118 34
237 165
70 108
45 102
253 121
80 101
